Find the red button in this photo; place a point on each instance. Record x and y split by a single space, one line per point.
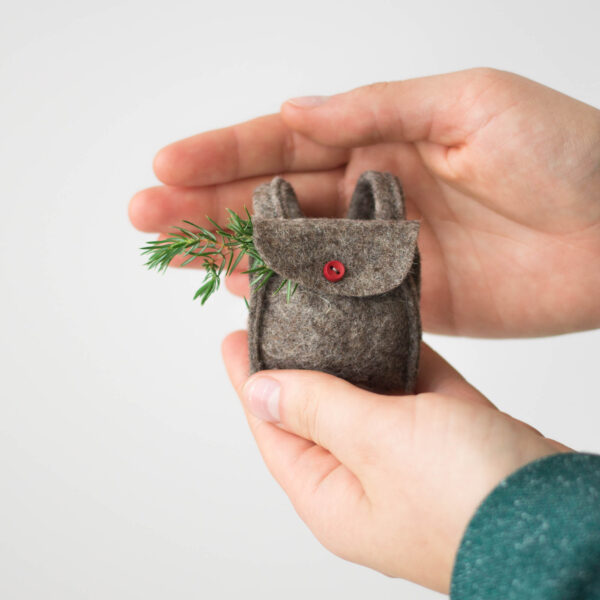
334 270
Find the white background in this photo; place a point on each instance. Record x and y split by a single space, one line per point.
126 466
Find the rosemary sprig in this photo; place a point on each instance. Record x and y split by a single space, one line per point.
220 252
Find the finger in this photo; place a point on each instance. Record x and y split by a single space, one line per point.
296 463
439 377
262 146
238 284
270 439
329 411
157 209
444 109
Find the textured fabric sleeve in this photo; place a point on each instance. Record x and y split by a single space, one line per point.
536 535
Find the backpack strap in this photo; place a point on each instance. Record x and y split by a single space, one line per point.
377 196
276 199
272 200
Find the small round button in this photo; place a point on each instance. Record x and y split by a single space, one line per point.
334 270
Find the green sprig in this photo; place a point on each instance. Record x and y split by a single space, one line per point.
220 252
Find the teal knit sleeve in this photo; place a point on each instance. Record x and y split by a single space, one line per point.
536 536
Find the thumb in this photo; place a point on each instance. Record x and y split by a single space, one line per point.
444 109
324 409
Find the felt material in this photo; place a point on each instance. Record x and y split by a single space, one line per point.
536 536
276 199
377 255
365 327
377 196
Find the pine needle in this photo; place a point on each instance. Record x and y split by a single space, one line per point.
220 252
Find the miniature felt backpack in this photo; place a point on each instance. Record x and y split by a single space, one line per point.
355 311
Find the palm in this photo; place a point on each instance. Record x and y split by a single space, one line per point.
506 196
507 217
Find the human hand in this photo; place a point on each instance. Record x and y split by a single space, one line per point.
389 482
503 172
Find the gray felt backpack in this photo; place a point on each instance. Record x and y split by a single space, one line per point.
355 312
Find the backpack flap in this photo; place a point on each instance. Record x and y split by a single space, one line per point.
377 254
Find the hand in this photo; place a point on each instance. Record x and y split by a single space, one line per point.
503 172
386 481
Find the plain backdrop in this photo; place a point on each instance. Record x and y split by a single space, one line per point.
126 466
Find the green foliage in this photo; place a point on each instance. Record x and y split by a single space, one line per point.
220 252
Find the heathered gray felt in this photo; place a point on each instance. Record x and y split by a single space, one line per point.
365 327
377 255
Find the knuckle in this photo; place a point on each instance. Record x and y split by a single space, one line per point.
373 98
373 94
484 72
288 150
309 417
377 88
480 78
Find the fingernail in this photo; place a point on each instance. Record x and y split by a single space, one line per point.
262 398
308 101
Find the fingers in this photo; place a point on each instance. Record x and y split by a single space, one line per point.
324 409
315 406
443 109
157 209
300 466
238 283
262 146
280 449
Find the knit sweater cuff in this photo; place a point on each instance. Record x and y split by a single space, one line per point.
536 535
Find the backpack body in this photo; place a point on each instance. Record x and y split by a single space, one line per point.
361 324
